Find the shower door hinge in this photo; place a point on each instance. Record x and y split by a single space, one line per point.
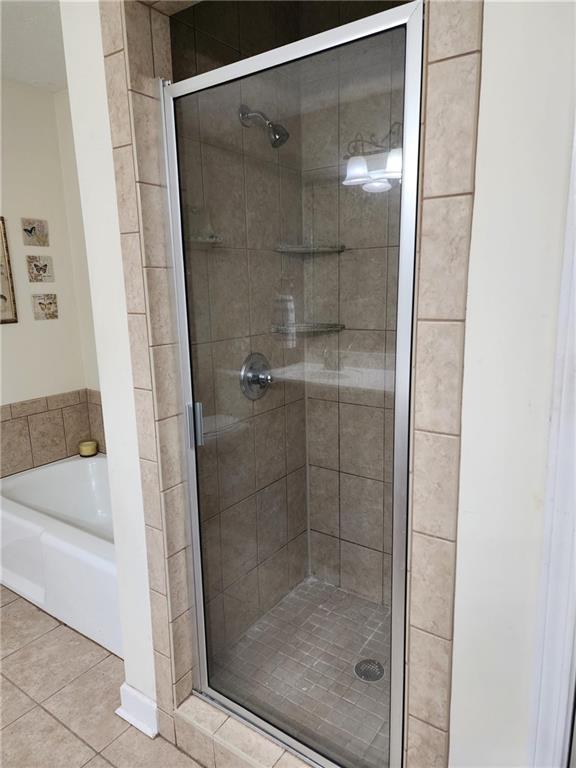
195 414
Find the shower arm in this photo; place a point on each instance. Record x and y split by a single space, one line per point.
246 116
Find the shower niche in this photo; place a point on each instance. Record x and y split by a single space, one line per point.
291 250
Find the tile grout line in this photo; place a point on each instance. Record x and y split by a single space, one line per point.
432 634
448 196
425 722
39 705
442 320
462 55
425 431
108 654
8 655
88 669
433 536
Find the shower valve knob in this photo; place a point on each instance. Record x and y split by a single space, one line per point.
264 379
261 380
255 376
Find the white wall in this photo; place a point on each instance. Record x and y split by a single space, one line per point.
76 239
43 357
524 143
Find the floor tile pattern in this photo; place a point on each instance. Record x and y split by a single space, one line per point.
296 665
58 696
59 690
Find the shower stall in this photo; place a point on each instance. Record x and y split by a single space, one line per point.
293 182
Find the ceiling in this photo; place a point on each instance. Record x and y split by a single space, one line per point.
32 50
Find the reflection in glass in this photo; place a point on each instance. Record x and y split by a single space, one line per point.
290 193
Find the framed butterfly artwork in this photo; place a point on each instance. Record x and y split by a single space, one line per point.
8 312
40 269
45 306
35 232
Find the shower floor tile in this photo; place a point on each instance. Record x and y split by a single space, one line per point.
295 668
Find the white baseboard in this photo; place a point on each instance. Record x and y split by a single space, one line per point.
138 710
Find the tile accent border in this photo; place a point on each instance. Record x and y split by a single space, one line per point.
46 429
450 95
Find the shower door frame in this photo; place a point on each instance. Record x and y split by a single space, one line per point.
409 15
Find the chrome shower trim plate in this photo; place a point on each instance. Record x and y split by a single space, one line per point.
255 376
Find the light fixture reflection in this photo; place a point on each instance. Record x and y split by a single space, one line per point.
386 165
375 171
356 171
393 169
377 185
377 165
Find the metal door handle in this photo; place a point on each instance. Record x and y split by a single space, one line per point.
195 423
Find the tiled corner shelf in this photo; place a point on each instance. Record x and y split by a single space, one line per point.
308 329
309 250
208 240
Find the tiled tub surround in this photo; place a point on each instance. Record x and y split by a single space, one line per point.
46 429
137 49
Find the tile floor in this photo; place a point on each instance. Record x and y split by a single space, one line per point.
59 690
296 665
58 694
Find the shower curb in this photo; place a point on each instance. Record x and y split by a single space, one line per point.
217 740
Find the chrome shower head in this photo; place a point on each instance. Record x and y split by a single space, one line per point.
277 134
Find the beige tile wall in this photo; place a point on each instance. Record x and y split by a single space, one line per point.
350 375
252 467
213 34
46 429
449 118
137 36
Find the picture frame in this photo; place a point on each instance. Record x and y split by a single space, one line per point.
35 232
45 306
40 269
8 310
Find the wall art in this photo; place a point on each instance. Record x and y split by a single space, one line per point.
45 306
8 313
40 269
35 232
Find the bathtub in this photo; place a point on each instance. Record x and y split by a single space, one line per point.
57 546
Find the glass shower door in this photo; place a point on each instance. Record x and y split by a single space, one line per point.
290 184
